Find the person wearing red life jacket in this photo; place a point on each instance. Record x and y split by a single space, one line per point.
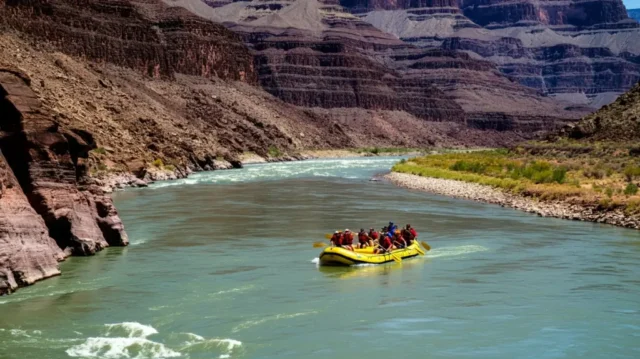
398 240
374 236
408 234
336 239
363 239
347 239
386 245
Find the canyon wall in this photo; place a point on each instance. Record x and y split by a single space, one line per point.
147 36
316 54
582 52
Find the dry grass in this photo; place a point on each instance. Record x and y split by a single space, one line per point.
604 175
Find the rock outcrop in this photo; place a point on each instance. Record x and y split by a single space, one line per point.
582 52
27 253
617 122
44 166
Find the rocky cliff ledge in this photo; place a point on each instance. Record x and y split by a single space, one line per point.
48 206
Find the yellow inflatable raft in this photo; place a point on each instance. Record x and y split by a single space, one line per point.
338 256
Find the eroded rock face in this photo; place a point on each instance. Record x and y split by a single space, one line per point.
145 35
581 52
316 54
27 253
45 185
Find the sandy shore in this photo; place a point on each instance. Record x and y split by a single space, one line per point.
482 193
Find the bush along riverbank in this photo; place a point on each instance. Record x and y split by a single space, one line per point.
596 183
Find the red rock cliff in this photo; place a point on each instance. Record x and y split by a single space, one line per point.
44 183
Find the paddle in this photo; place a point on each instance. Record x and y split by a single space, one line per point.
395 258
319 244
426 245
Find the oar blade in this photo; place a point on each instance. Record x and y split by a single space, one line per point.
426 245
328 235
319 245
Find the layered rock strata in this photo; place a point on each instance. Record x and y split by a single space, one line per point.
582 52
144 35
315 54
46 165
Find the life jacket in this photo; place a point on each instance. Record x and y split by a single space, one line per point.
347 239
362 237
373 235
386 242
400 240
414 233
337 239
406 234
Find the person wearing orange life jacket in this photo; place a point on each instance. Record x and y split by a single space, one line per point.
363 239
386 245
336 239
347 239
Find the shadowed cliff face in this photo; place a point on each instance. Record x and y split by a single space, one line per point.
582 52
44 166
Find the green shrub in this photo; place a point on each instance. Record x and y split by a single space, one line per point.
631 189
100 151
403 161
609 192
631 172
170 168
375 150
473 167
158 163
559 175
274 151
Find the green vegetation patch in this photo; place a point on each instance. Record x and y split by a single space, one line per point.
569 172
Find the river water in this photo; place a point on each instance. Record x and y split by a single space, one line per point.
221 266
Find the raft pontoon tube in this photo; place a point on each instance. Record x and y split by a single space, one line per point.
338 256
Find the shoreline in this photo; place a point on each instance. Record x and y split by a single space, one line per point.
487 194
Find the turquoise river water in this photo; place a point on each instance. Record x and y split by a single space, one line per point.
221 265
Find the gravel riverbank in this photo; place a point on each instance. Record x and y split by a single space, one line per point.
478 192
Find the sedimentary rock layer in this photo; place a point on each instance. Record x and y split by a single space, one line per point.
44 164
314 54
582 52
144 35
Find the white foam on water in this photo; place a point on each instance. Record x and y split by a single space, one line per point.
20 333
455 251
315 260
131 329
117 348
253 323
130 341
282 170
228 346
233 290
